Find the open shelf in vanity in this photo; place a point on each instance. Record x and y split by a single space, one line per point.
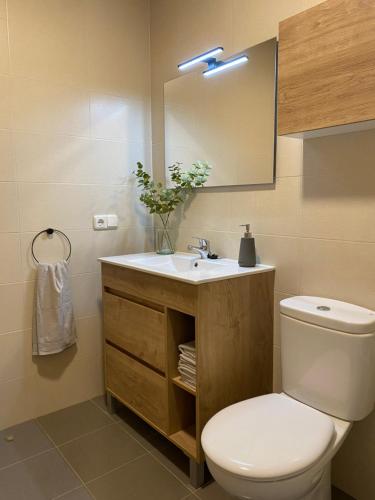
146 317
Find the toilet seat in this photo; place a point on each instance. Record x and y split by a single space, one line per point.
267 438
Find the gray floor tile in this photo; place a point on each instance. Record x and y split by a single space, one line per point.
100 452
212 491
27 440
170 456
80 494
137 428
72 422
40 478
143 479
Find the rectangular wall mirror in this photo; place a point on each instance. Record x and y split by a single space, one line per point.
227 119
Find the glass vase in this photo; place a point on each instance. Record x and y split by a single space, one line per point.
163 238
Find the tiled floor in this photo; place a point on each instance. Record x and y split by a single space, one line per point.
82 452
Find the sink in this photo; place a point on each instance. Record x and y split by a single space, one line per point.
186 267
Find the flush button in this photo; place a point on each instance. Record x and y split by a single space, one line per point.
323 308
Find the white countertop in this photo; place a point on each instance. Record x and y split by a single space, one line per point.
186 267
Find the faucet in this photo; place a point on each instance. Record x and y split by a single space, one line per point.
203 249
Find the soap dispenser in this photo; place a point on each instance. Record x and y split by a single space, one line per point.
247 256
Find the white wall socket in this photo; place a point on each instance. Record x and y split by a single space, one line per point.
105 221
100 222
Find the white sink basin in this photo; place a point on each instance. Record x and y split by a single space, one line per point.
185 266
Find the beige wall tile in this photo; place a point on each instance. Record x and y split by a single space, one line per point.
64 381
335 208
50 158
57 32
5 100
16 307
289 157
255 21
10 262
4 48
118 118
3 9
86 293
286 255
277 208
342 156
41 106
9 221
90 339
112 162
277 383
6 157
341 270
55 205
17 398
208 210
118 47
17 363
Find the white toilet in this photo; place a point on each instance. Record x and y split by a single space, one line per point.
280 446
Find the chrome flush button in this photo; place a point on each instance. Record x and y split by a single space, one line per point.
323 308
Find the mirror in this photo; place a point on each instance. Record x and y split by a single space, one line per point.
227 119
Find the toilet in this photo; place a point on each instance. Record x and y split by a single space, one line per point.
280 446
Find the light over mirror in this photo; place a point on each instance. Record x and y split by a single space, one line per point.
227 119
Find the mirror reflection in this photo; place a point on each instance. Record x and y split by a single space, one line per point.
227 119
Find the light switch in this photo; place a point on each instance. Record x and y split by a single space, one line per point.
112 221
100 222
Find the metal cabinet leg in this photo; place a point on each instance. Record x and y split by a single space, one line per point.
196 473
111 403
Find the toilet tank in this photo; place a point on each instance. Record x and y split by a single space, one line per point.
328 355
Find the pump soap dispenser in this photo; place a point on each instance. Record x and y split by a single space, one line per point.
247 256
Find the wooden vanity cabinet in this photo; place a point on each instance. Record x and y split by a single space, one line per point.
146 317
326 70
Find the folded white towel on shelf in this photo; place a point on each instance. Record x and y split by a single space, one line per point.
187 363
188 358
186 368
188 348
53 322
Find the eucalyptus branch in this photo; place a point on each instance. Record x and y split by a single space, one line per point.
161 200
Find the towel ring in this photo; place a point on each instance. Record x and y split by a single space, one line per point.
50 232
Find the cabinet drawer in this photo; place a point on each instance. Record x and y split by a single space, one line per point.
144 390
168 292
136 328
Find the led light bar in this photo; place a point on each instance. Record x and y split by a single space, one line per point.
222 66
203 57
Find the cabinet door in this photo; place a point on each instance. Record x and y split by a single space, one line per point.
137 329
139 387
326 68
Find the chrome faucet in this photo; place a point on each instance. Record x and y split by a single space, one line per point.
203 249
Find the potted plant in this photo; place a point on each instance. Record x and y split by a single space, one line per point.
162 201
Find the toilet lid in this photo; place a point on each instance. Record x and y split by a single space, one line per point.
270 437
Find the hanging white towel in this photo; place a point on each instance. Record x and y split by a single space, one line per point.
53 323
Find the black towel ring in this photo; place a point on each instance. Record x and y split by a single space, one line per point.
50 232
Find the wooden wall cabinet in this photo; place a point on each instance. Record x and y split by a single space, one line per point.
146 317
326 69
